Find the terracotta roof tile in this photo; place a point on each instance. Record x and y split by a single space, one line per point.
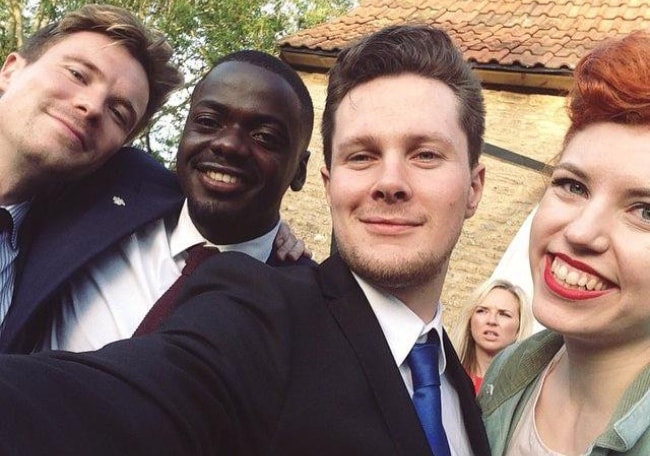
532 33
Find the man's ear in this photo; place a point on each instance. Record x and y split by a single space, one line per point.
301 173
325 175
14 62
475 191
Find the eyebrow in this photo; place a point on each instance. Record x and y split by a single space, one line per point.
362 140
258 117
572 169
635 192
411 139
639 192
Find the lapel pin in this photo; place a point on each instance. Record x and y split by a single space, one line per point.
118 201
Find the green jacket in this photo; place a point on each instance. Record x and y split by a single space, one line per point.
512 377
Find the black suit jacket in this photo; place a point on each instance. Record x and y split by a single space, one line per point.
295 365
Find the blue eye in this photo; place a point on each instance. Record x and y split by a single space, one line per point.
570 185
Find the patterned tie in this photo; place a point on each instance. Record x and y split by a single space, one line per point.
423 361
166 304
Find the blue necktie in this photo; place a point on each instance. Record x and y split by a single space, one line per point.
423 361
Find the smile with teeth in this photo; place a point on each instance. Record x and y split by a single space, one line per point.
574 278
222 177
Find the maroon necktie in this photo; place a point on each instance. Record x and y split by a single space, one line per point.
168 301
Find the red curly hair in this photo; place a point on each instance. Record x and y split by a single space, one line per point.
612 84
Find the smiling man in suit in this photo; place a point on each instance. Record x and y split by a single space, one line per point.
324 360
116 241
70 98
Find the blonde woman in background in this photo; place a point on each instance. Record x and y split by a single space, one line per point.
496 315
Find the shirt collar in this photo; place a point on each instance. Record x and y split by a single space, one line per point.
402 328
185 235
18 212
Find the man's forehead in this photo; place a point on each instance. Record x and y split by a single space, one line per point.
241 84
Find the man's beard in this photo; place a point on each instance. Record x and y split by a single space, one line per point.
397 272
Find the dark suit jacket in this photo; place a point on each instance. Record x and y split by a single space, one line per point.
76 226
295 365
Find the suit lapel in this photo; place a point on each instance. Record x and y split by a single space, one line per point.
358 323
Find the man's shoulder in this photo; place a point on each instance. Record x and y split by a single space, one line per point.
240 266
274 261
133 161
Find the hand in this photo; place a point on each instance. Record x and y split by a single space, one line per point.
289 247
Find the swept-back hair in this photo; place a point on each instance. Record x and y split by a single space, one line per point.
612 84
396 50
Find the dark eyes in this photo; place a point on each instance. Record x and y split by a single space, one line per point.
427 155
209 121
269 139
265 135
360 157
120 116
78 75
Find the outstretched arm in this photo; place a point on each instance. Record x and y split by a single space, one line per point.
193 388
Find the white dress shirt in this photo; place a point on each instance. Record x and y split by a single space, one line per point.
108 299
403 329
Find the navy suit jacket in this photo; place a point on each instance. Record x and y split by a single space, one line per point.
72 228
295 365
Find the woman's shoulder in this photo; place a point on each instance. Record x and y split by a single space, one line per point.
519 364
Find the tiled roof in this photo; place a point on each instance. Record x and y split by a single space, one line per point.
546 34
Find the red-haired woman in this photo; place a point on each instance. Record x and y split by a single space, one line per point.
583 388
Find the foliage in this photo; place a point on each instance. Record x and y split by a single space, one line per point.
200 30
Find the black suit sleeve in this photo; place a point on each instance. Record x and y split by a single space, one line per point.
210 382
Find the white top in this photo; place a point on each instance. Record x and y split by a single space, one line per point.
403 329
109 298
525 438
